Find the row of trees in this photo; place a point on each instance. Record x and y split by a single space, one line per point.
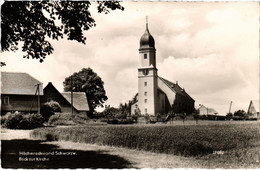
238 115
122 112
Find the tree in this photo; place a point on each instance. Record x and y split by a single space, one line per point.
126 107
196 116
32 22
134 99
89 82
229 116
240 113
183 116
48 109
110 112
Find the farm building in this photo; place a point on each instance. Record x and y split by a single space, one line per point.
156 94
253 109
18 92
203 110
79 102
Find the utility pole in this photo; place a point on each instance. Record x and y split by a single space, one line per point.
71 95
39 103
230 107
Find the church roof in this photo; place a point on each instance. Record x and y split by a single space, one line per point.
19 83
147 40
175 87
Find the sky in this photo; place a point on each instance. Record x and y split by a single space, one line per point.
210 48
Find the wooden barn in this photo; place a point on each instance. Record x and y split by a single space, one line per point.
18 92
79 105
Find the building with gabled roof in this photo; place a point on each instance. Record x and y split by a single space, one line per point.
79 102
18 92
203 110
156 94
253 109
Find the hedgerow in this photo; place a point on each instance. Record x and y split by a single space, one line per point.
177 140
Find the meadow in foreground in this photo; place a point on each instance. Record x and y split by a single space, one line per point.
223 144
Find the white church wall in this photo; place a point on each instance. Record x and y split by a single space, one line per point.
146 93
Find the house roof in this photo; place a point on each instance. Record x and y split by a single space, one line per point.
175 87
255 104
80 101
18 83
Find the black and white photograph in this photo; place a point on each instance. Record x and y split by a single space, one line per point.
130 85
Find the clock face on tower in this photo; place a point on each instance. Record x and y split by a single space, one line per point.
145 72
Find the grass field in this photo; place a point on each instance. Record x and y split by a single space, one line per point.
221 144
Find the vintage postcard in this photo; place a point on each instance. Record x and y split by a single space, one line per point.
113 85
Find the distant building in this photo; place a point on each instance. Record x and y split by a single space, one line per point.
253 109
156 94
18 92
206 111
80 102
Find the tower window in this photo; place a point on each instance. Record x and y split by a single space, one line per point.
145 93
145 100
145 83
145 110
145 56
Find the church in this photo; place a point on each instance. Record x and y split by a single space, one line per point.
156 94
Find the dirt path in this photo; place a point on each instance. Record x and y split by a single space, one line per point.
87 155
139 159
8 134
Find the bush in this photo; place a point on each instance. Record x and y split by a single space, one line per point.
240 113
110 112
22 121
113 121
67 119
4 118
104 120
48 109
135 118
121 115
229 116
120 121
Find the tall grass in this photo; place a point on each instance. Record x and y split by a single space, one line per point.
178 140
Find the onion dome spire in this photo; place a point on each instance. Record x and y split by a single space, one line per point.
147 40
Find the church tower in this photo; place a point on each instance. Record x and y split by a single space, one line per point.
147 75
